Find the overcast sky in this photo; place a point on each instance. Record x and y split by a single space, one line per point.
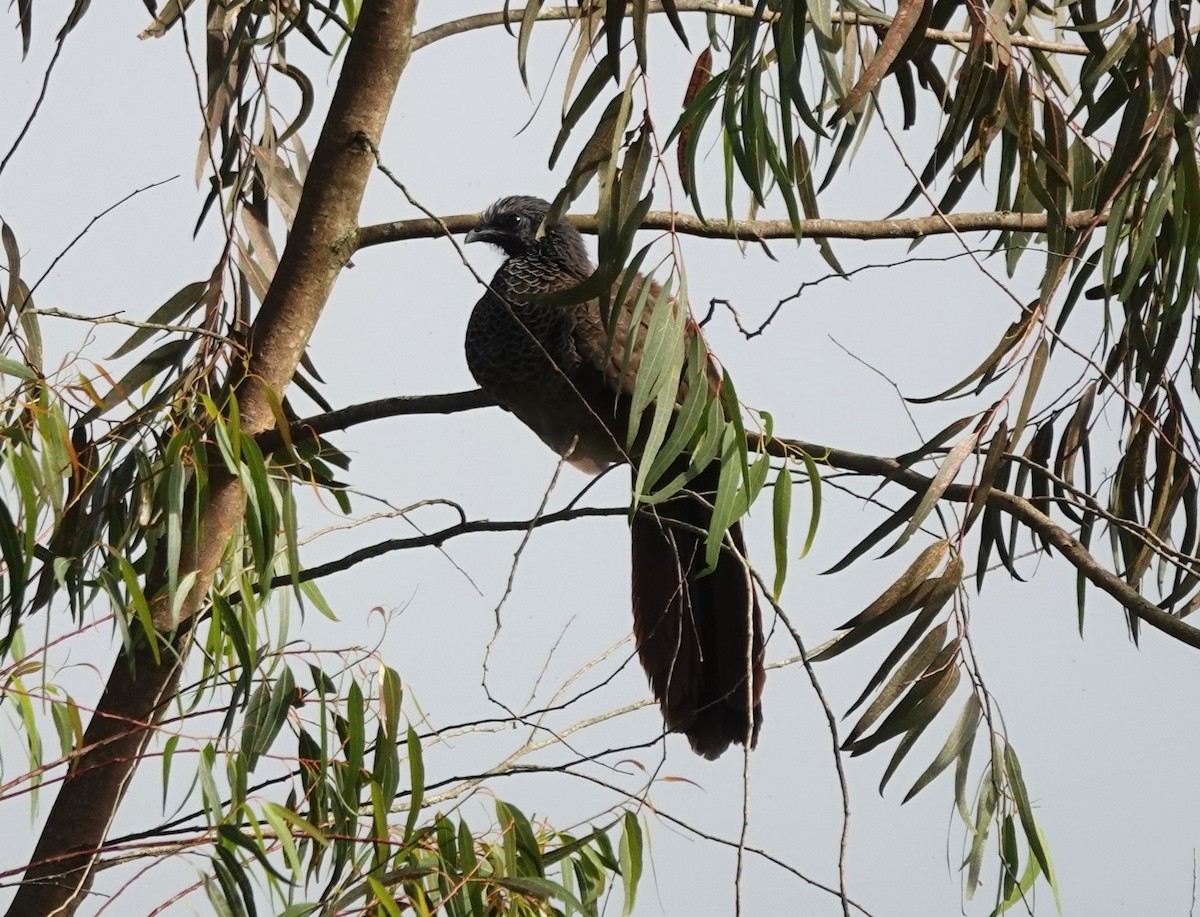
1105 730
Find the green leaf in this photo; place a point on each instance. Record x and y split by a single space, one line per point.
11 367
914 665
631 859
416 776
528 18
267 712
15 559
781 507
391 694
13 299
536 887
1016 782
961 736
943 479
893 522
917 572
166 356
182 302
587 95
469 864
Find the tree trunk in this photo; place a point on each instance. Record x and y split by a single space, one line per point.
63 864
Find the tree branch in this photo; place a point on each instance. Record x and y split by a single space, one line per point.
440 537
734 10
759 230
877 466
345 418
144 678
1017 507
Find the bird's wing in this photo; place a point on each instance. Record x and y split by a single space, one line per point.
615 348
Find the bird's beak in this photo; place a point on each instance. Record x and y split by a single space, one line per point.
480 234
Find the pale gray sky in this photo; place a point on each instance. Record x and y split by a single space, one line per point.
1104 729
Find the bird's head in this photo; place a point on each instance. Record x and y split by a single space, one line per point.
512 225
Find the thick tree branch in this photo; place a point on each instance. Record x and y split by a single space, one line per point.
1019 508
877 466
735 10
319 244
345 418
760 230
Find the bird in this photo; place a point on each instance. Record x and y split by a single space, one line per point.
569 376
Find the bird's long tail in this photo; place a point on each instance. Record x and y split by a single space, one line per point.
699 637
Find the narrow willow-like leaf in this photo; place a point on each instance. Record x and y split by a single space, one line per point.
16 560
536 887
1013 336
933 443
1037 367
631 859
587 95
469 863
265 716
416 785
911 15
283 834
296 821
179 304
962 735
1010 862
528 18
931 603
11 367
1146 231
686 423
596 152
893 522
814 484
904 677
1016 783
701 76
12 252
997 449
168 355
943 479
175 489
903 747
918 571
781 511
985 808
920 705
137 599
660 361
962 767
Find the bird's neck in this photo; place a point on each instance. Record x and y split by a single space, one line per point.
534 274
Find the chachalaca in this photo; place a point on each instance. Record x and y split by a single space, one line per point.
556 368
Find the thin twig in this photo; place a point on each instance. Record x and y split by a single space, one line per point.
512 577
90 223
114 318
37 105
831 721
434 539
